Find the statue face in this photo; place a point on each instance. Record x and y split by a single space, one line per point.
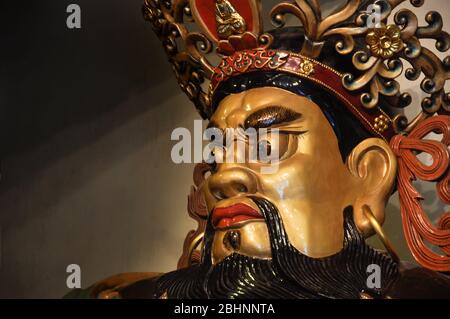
310 188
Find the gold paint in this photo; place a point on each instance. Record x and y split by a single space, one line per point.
381 123
254 235
374 162
384 42
254 242
344 29
229 21
318 28
306 67
312 185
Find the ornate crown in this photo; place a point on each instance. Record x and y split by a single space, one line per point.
358 31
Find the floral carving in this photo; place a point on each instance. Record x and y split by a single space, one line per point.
384 42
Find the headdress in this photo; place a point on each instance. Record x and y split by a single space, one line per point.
210 41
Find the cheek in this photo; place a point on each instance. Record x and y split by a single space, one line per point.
313 173
289 180
324 167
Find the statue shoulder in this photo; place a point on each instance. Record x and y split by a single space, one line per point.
117 286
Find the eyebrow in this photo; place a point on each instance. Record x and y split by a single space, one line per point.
270 116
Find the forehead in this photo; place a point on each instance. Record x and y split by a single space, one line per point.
235 108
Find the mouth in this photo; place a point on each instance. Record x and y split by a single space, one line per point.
227 217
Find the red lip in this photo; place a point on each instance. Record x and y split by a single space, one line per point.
225 217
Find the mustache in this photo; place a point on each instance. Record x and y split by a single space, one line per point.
289 274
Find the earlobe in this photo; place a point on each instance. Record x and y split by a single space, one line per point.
374 165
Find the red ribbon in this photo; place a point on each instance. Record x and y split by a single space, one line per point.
417 226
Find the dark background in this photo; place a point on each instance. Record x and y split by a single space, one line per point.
53 77
85 122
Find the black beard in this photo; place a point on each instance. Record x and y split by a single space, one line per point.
289 274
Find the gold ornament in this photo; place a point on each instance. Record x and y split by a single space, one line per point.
229 21
385 41
306 67
381 123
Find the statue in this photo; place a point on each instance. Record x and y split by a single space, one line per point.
329 89
229 22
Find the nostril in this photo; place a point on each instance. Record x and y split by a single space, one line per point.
242 188
230 183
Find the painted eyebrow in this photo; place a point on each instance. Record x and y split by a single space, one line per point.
270 116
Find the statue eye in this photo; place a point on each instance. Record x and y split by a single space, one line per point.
275 146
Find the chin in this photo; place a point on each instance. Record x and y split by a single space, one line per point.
249 239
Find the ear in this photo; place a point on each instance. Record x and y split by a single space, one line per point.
374 165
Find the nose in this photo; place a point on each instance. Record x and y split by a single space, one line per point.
230 182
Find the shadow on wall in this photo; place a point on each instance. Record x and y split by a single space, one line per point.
54 77
85 123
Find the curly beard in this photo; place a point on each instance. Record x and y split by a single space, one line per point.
289 274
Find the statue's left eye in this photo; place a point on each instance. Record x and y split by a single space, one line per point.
273 146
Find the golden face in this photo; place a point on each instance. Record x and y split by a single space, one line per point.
308 187
311 186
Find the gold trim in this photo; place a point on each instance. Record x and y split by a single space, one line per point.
344 99
385 114
188 48
283 68
291 54
332 89
306 67
381 123
385 41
